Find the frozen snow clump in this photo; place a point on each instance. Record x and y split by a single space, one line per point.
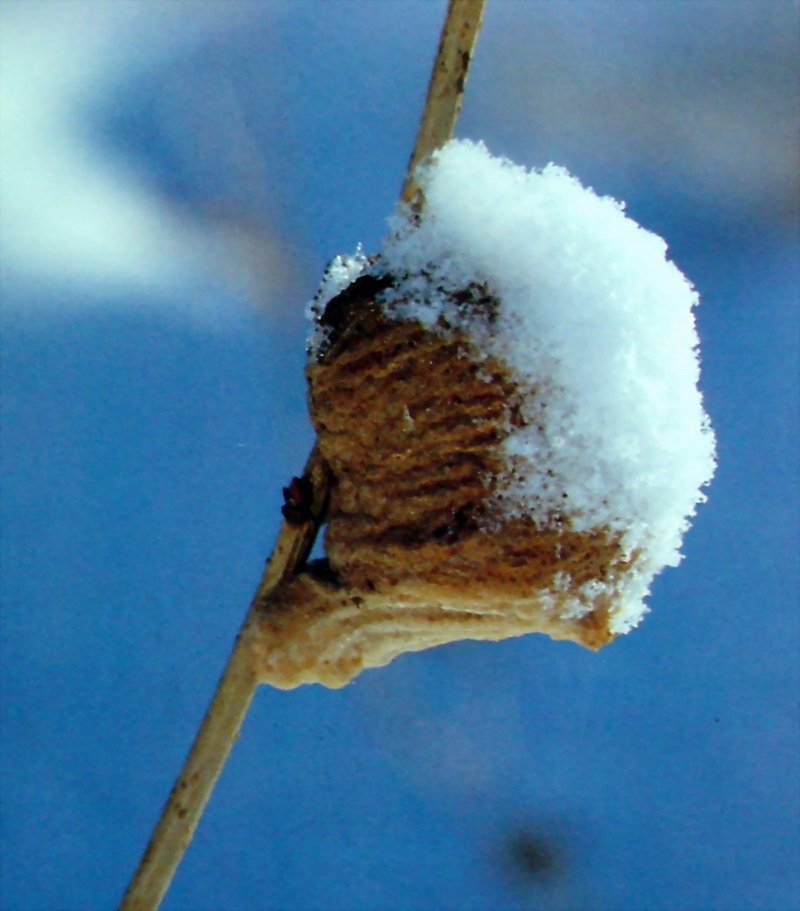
589 309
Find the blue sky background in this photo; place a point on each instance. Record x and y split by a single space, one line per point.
175 177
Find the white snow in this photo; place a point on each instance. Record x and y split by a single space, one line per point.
340 272
592 311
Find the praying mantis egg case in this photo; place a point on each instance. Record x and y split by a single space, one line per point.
410 423
506 398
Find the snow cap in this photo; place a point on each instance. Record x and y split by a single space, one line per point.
591 314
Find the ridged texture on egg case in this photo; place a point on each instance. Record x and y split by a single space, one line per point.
410 423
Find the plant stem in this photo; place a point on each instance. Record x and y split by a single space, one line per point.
220 727
446 87
223 720
191 792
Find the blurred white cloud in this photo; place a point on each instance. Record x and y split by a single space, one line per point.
71 212
700 95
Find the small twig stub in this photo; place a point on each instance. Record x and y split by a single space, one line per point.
298 501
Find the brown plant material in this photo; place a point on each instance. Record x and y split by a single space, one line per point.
303 514
418 552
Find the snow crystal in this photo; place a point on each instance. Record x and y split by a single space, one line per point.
340 272
592 313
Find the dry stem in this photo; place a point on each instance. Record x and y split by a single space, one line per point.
446 88
230 703
225 714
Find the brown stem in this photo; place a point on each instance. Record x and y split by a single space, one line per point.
225 714
446 87
190 794
224 717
